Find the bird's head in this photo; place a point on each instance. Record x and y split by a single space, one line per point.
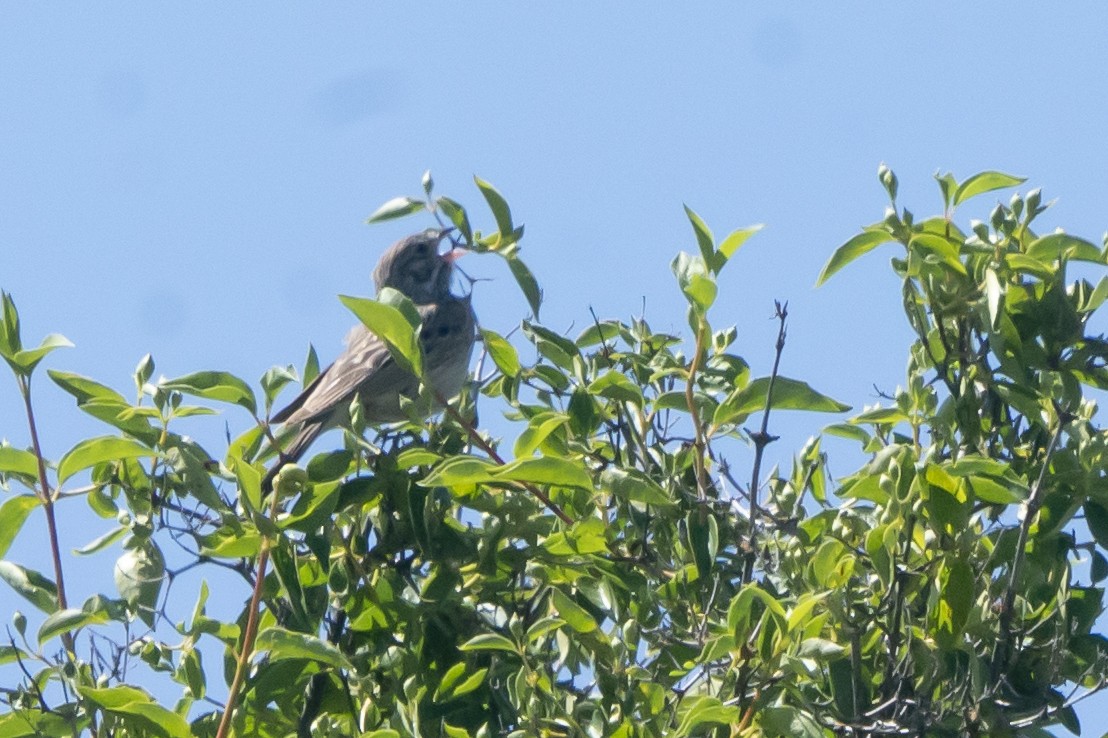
414 266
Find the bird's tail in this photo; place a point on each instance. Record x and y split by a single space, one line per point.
291 453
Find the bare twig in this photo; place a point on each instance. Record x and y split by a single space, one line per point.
762 438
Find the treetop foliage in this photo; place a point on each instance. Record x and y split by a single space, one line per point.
621 564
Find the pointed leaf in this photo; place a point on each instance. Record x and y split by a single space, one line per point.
287 644
851 250
93 451
704 238
13 513
219 386
33 586
392 325
788 394
1063 246
489 642
546 470
503 353
527 282
985 182
498 205
397 207
18 461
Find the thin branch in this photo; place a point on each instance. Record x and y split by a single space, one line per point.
1034 502
249 636
762 438
47 499
690 400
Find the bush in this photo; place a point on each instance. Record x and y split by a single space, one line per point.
605 571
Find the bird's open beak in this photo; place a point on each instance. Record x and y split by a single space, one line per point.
454 254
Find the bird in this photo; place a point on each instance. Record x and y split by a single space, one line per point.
366 369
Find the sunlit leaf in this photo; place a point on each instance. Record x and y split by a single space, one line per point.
93 451
13 513
398 207
864 242
286 644
211 385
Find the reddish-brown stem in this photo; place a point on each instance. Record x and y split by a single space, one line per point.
690 400
248 637
47 498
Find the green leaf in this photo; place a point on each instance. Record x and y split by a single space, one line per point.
546 470
412 457
527 282
585 537
219 386
13 513
1096 517
67 621
1063 246
34 587
945 250
10 340
864 242
704 238
460 471
993 294
286 644
458 217
32 723
788 721
542 627
311 366
634 486
575 616
788 394
391 325
734 240
703 532
984 182
498 205
503 353
881 416
93 451
489 642
695 711
398 207
102 541
947 185
617 386
18 461
135 703
537 431
695 280
560 350
988 489
958 593
25 361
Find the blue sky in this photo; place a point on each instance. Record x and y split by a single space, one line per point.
191 180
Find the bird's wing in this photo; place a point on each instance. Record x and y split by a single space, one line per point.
365 361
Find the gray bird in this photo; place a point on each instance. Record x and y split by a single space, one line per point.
366 369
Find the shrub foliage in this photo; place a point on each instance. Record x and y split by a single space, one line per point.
617 562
